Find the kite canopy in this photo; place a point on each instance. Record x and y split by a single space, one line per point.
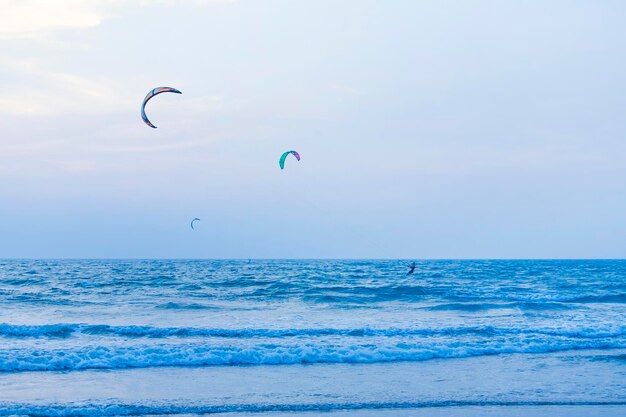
284 156
194 220
151 94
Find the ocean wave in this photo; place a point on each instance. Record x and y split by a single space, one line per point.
620 357
198 355
45 330
482 306
66 330
608 298
470 306
139 409
186 306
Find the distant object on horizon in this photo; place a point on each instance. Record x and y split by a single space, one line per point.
412 269
194 220
284 156
151 94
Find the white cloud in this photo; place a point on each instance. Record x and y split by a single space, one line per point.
35 18
30 18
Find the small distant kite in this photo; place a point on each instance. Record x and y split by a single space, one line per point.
194 220
151 94
284 156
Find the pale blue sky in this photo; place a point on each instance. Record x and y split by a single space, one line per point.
427 129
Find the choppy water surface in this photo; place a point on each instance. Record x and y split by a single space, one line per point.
149 317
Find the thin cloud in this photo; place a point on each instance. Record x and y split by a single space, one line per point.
32 19
60 92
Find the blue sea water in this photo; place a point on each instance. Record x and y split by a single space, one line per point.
144 337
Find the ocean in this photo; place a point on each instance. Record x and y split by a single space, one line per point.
313 337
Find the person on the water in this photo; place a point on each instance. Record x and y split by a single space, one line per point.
412 269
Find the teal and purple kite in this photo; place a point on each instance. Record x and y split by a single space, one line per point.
281 162
151 94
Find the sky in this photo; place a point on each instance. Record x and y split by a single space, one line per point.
427 129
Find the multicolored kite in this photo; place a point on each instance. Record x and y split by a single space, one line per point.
151 94
284 156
